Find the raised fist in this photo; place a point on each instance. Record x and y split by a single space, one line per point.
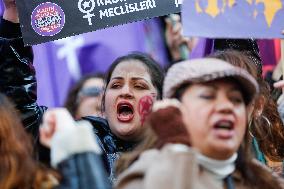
166 121
9 4
10 12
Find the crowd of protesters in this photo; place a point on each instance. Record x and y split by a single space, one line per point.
211 122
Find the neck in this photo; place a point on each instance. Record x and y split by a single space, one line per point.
220 168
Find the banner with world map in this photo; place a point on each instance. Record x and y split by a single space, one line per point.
48 20
233 18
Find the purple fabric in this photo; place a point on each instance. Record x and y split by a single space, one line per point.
204 47
266 48
1 7
267 52
60 63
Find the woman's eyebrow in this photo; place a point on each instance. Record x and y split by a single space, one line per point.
118 78
211 86
139 78
235 89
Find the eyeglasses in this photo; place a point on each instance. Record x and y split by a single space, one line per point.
91 91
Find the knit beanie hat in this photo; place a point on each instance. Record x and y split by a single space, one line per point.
205 70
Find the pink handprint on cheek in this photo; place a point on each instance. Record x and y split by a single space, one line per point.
145 107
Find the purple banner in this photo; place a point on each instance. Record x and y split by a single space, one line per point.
60 63
233 18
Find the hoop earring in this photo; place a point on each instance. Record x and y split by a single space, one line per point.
249 128
268 123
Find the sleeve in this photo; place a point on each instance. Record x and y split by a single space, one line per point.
18 80
77 156
83 170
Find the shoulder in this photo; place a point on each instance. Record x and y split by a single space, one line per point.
96 121
266 169
100 125
133 176
103 133
156 167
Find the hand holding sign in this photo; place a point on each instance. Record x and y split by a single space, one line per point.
179 46
10 12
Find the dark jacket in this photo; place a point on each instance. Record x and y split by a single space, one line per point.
111 145
84 171
18 81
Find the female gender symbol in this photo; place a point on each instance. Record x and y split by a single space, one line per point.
85 7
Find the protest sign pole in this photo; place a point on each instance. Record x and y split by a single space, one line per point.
183 49
282 60
282 56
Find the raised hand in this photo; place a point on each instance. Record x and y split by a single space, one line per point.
55 121
279 84
10 11
9 3
167 121
175 40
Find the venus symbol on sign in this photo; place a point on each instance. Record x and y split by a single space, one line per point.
86 7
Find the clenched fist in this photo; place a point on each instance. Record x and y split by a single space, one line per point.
10 12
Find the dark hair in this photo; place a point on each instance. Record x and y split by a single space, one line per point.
71 102
155 71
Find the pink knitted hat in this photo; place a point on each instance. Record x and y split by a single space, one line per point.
204 70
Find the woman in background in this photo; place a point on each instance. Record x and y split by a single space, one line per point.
84 98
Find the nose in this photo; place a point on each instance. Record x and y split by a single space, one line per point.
224 105
126 92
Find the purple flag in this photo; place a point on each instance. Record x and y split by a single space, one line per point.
62 62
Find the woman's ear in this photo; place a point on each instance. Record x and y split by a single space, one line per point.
259 106
249 110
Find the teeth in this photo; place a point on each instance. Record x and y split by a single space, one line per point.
224 125
125 109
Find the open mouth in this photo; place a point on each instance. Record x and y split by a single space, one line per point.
227 125
224 129
125 112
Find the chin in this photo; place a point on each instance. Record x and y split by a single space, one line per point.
125 130
224 151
